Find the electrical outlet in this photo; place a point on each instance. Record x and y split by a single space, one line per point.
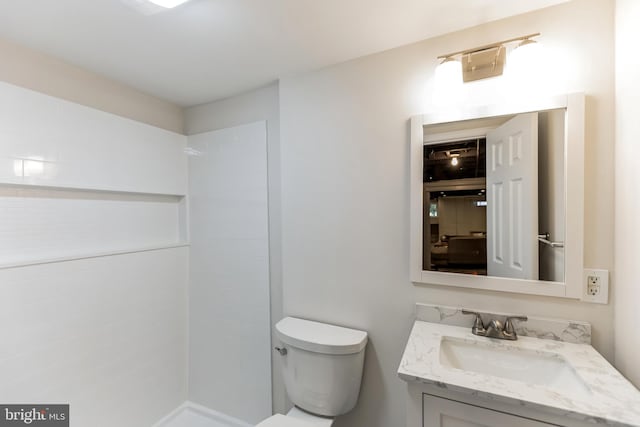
596 286
593 285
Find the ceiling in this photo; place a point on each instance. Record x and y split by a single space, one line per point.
211 49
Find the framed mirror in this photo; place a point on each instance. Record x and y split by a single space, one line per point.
497 197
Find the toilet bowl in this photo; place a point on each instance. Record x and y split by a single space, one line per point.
297 418
322 368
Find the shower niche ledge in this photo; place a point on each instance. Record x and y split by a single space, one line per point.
77 182
41 225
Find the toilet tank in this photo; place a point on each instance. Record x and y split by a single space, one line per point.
323 364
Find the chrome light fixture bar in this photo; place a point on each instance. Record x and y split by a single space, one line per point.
485 61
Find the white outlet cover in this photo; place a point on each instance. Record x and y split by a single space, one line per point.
602 297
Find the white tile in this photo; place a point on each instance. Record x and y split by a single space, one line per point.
77 146
230 343
100 334
38 224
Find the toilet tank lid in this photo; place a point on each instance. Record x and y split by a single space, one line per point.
320 337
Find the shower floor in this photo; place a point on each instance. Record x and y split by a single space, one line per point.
192 415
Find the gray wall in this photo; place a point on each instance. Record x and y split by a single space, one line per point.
260 104
345 180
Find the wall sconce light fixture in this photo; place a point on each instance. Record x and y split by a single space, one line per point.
485 61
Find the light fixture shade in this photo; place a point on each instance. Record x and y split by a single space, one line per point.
449 70
168 4
525 61
151 7
448 83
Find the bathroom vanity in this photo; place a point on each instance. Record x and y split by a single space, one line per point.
497 204
457 379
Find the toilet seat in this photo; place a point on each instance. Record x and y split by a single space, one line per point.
280 420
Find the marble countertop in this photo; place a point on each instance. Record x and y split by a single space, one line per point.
610 398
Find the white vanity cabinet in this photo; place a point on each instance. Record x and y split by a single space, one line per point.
440 412
436 406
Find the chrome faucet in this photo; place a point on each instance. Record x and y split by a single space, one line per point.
495 328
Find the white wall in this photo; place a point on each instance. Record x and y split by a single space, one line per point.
257 105
627 191
79 147
39 225
345 180
229 324
106 335
138 300
103 330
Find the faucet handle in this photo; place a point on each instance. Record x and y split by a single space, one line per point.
508 324
478 326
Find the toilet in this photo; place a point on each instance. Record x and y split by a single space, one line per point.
322 368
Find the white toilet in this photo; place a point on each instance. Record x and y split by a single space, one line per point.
322 368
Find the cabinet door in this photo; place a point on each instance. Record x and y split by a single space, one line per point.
438 412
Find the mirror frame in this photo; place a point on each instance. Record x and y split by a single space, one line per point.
574 104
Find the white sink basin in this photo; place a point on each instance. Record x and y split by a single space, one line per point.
546 369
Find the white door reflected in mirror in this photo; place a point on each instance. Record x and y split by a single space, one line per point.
512 198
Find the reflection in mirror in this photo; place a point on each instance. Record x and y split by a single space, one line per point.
493 199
